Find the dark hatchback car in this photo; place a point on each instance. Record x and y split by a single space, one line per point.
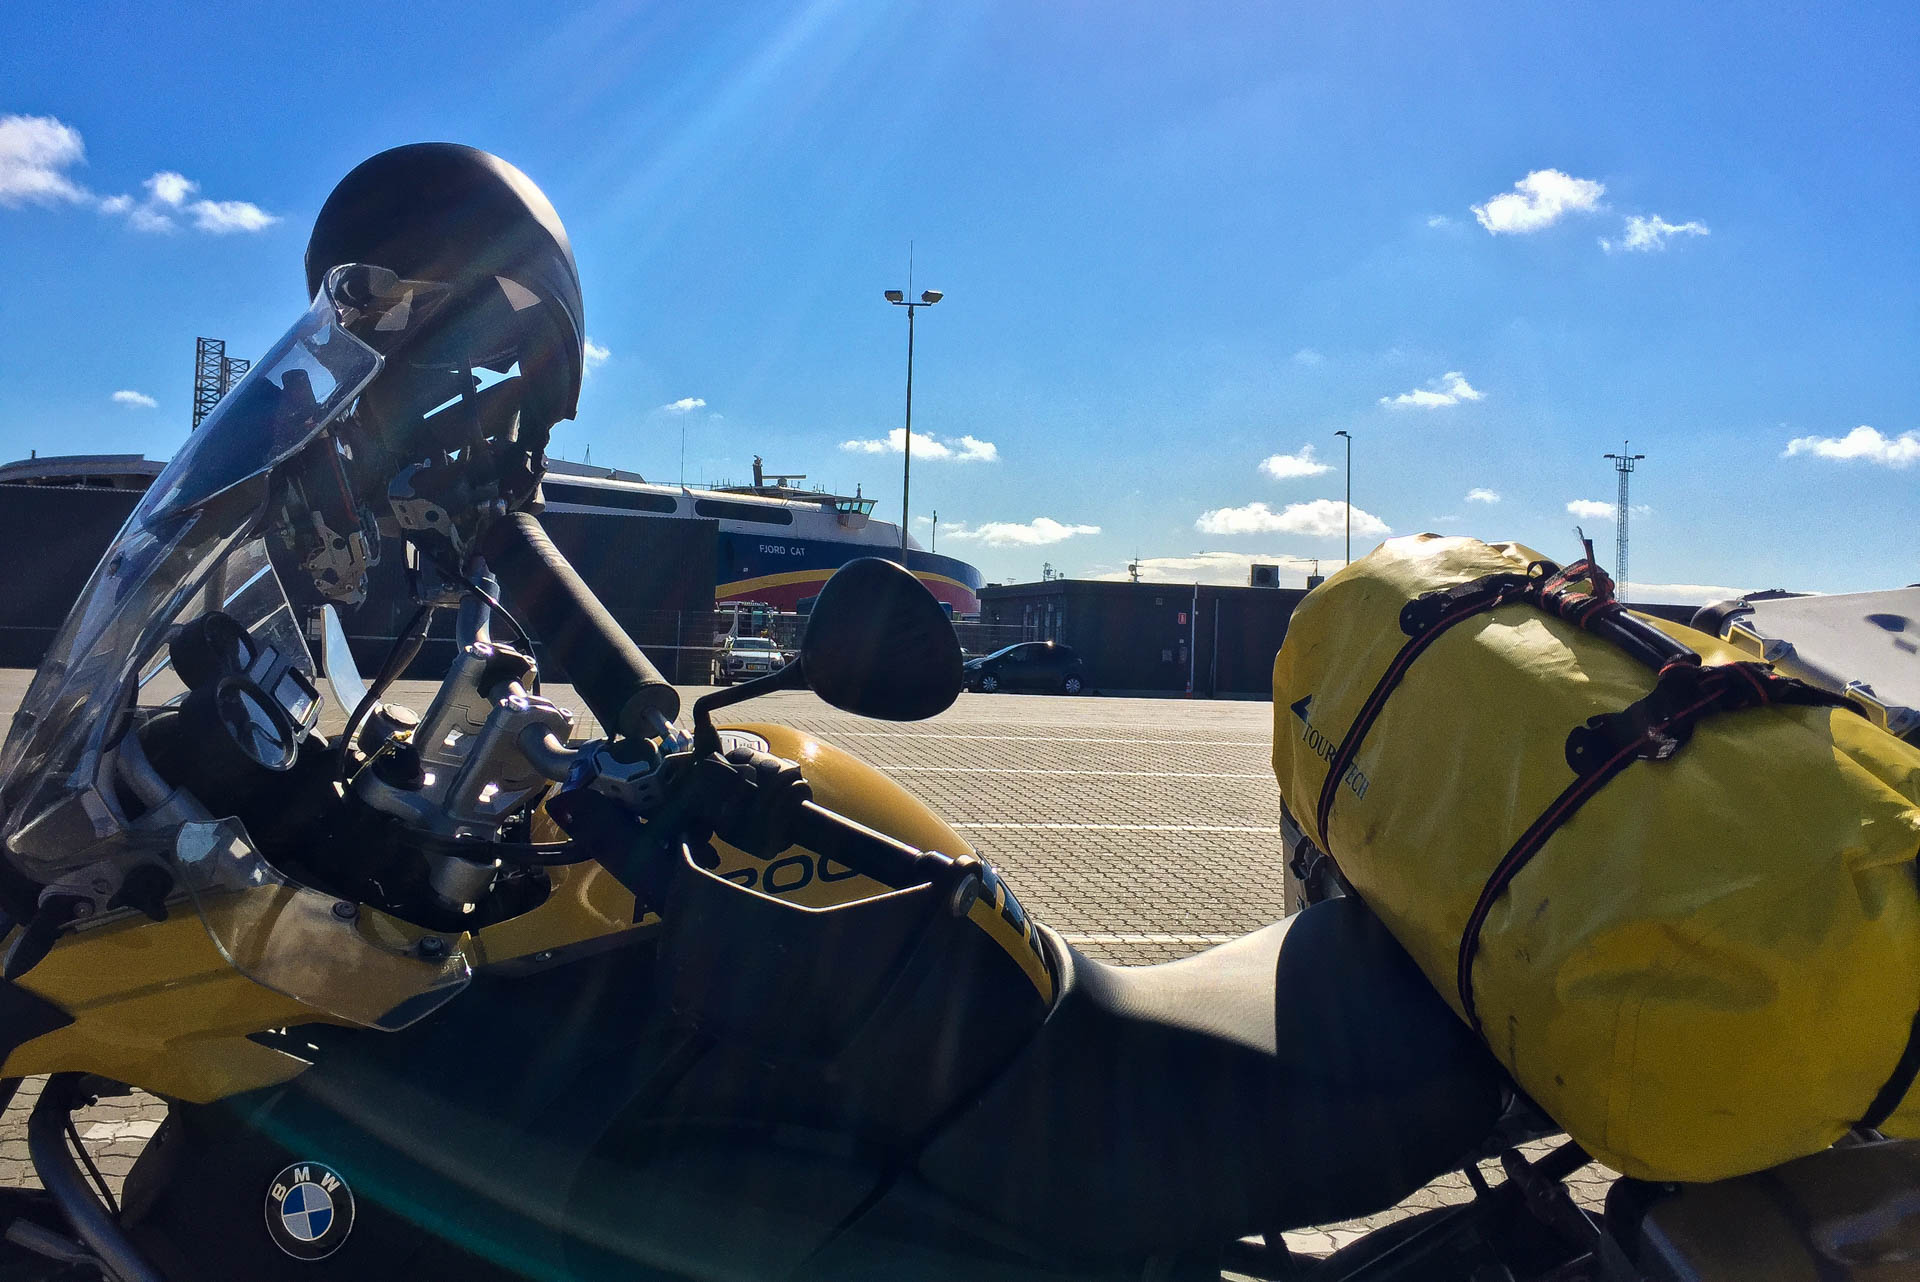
1030 665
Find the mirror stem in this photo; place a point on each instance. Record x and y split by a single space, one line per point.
705 738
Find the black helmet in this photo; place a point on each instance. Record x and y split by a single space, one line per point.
468 220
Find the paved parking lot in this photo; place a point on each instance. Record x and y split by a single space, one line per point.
1142 829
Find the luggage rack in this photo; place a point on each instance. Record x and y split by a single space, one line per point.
1863 645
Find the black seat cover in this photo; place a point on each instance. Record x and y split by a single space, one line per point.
1303 1074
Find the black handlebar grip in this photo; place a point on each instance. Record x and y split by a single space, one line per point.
602 661
868 852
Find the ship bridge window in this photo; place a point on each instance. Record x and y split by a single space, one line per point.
859 507
626 500
765 515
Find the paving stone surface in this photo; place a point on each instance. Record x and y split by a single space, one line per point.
1142 829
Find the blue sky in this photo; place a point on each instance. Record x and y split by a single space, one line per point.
1176 242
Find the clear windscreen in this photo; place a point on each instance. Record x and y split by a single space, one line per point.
54 806
61 810
77 793
303 382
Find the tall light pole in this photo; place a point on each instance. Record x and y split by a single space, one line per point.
1349 560
1623 463
898 298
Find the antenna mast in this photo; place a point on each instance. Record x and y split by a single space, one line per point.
214 374
1623 463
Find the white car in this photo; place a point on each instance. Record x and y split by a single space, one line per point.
744 658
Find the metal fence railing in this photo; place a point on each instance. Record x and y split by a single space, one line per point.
683 643
697 637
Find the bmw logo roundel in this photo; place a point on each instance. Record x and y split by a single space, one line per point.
309 1211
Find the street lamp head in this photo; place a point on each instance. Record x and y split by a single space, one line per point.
931 296
1345 434
896 296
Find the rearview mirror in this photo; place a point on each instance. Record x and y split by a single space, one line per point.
880 645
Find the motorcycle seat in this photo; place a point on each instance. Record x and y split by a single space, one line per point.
1303 1074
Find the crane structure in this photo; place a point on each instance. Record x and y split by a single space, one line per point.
1623 463
214 374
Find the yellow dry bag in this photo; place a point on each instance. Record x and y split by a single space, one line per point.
1673 890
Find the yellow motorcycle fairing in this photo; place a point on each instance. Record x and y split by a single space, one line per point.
587 903
156 1005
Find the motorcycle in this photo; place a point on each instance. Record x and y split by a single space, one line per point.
459 994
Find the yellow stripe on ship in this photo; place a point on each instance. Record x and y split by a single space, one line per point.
787 578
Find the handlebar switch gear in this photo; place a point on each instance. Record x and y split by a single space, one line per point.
757 795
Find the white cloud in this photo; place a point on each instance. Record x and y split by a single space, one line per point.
145 218
1308 356
685 405
1318 518
1480 495
961 449
1862 442
167 202
35 153
127 397
1449 389
1229 568
1039 532
1590 510
169 188
1439 220
1538 201
1644 235
1286 467
1683 593
596 356
222 217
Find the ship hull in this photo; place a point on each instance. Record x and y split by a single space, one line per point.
775 551
648 550
785 573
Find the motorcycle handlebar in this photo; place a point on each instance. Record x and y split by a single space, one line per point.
868 852
761 804
625 691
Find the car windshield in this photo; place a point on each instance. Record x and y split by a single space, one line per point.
753 643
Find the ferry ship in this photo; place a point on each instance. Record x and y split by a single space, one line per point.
777 544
